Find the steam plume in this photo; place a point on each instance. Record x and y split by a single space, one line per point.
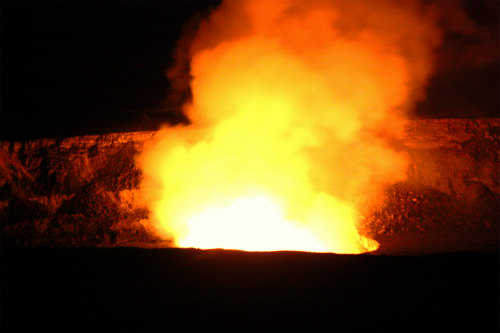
297 101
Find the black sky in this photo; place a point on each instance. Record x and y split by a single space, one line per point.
72 68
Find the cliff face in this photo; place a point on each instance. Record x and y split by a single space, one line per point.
76 191
83 191
451 198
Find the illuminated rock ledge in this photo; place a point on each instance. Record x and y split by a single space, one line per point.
83 191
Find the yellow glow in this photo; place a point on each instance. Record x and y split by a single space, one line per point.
294 105
252 224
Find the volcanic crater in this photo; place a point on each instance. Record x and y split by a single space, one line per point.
84 191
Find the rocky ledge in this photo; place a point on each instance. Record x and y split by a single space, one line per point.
83 191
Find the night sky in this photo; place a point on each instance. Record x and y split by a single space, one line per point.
74 68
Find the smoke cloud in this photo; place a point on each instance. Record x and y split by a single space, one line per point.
297 101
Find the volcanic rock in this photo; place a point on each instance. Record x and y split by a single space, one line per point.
84 190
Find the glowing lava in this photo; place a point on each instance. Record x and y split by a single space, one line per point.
252 224
294 105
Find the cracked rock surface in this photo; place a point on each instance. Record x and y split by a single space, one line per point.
83 191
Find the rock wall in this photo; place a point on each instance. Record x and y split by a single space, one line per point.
456 156
83 191
79 191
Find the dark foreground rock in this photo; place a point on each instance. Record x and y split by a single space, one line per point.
130 289
83 191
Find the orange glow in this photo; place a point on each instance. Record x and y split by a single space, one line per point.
241 226
290 122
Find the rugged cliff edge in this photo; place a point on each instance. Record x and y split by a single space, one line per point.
83 191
